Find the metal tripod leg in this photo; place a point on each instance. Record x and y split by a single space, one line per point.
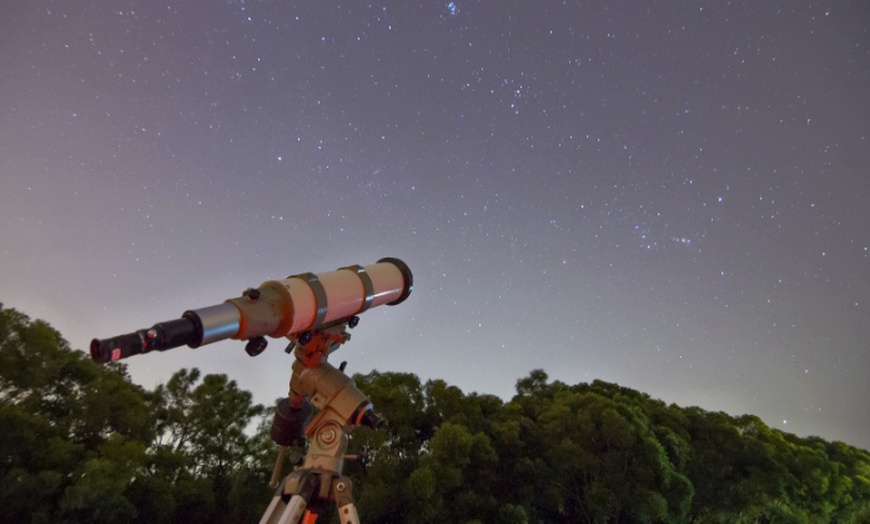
280 513
294 510
341 492
275 508
348 514
300 486
304 485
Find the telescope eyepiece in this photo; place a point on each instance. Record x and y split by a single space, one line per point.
161 336
116 348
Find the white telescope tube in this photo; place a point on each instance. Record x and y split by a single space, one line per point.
307 301
277 308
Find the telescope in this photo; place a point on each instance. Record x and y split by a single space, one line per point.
293 308
313 312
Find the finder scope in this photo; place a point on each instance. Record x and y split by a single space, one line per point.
278 308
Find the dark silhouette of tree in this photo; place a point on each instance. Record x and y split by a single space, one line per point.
81 443
73 434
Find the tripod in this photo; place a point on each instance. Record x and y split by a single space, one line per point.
319 479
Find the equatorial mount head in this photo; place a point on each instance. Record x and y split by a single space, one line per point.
313 347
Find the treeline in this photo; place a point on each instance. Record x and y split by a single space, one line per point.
81 443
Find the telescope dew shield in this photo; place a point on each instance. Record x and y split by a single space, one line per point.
305 302
278 308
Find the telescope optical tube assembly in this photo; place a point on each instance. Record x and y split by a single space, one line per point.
278 308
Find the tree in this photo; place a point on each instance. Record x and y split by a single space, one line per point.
592 454
73 434
206 429
394 449
450 484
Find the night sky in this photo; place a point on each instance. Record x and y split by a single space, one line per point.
669 196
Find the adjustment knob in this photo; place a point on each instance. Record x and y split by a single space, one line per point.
256 345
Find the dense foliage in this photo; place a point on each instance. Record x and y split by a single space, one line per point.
81 443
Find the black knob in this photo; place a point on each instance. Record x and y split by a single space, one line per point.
256 345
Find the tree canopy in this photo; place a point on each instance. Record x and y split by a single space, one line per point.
82 443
